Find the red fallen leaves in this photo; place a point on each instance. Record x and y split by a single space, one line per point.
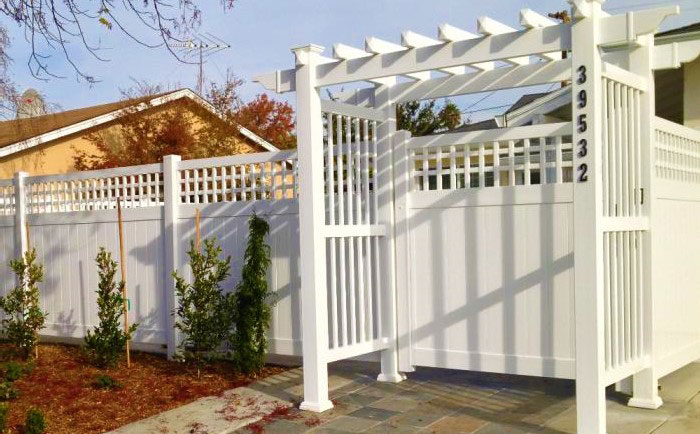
61 386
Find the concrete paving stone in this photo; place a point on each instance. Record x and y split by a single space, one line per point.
390 426
351 424
325 430
359 399
285 427
379 390
461 423
681 425
214 415
682 385
417 394
420 417
334 382
373 413
397 403
501 428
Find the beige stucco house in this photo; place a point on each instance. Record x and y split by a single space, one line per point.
46 144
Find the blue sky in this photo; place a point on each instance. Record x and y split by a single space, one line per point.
261 33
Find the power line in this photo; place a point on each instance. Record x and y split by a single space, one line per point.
466 112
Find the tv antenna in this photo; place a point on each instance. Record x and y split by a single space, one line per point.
197 49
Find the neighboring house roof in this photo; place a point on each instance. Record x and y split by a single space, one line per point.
525 100
21 134
685 30
488 124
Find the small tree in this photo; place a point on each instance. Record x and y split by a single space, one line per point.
24 317
252 301
204 313
106 344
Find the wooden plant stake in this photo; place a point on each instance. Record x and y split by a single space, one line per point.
29 247
122 261
197 231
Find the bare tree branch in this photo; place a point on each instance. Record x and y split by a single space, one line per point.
52 25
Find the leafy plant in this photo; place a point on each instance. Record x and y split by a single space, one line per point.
4 410
8 391
252 301
23 315
204 313
35 423
105 345
13 371
107 382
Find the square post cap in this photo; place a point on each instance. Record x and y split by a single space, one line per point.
305 53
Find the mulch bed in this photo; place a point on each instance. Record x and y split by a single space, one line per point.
62 386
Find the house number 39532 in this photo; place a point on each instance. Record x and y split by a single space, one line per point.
581 124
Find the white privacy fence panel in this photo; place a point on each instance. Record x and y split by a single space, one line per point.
490 257
70 216
531 155
228 223
353 231
677 152
676 233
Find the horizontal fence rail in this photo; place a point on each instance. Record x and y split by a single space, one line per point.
677 152
239 178
530 155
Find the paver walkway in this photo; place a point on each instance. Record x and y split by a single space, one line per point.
447 401
430 401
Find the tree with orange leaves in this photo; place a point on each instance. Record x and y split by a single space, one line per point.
270 119
146 136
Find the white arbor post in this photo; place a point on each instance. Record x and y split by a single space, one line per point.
385 213
646 383
171 205
588 247
20 214
311 225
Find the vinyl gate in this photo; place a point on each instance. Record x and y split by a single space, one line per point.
488 244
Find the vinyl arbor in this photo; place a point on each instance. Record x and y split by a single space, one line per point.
370 277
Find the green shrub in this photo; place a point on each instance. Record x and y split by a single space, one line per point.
4 410
23 315
35 422
107 382
204 313
8 391
106 344
13 371
252 301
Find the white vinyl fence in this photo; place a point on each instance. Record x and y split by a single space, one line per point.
676 237
71 216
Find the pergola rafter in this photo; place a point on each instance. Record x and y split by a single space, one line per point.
456 51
